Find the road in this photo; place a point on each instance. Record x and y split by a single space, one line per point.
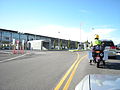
44 70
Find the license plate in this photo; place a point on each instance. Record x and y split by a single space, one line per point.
97 58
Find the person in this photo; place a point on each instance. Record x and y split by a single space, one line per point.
94 43
96 40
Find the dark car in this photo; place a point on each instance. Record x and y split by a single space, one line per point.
110 47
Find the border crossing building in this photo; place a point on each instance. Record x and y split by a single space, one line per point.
32 41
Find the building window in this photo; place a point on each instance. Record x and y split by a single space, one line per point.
0 36
31 37
15 36
6 36
23 37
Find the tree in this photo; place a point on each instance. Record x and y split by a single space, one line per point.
76 45
61 44
68 44
54 43
87 43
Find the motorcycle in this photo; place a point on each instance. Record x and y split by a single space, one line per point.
98 54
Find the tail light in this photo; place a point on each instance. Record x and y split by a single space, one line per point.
97 51
112 47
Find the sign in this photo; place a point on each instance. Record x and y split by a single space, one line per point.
23 41
13 41
17 41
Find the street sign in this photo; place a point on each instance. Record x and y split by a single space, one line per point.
13 42
17 41
23 41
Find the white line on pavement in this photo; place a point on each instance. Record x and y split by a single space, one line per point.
5 52
13 58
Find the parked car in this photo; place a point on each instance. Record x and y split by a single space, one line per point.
99 82
110 47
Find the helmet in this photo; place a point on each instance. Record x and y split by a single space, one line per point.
96 36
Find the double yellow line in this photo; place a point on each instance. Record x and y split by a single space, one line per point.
71 70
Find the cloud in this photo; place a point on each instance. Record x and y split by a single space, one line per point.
72 33
103 31
103 26
60 32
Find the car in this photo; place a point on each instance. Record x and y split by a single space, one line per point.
110 47
99 82
118 47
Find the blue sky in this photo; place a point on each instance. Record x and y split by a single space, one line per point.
48 17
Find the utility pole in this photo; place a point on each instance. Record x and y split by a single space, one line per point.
80 32
80 36
59 41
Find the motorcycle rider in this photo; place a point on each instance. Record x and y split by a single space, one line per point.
95 42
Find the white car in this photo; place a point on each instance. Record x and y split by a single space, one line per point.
99 82
110 47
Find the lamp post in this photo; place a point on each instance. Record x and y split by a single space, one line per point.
80 36
59 41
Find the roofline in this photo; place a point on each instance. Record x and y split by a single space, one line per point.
8 30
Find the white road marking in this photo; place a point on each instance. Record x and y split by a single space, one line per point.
13 58
40 52
4 52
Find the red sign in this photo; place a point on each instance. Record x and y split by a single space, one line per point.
17 41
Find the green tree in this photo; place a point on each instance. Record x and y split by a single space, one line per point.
54 43
87 43
68 44
0 46
61 44
76 45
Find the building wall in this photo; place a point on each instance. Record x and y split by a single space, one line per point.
15 36
7 36
0 35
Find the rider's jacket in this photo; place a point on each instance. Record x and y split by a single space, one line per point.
96 42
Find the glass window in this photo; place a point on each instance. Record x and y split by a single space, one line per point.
38 37
108 43
31 37
0 36
6 36
15 36
43 38
23 37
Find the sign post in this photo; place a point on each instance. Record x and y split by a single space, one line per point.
14 46
17 47
22 47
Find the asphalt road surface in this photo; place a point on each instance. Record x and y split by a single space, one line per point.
49 70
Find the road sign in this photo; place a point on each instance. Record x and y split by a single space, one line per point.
13 42
23 41
17 41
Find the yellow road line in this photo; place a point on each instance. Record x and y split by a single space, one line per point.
67 73
72 74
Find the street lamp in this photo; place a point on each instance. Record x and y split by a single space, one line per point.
80 36
58 42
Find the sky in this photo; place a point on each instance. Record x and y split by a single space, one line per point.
76 20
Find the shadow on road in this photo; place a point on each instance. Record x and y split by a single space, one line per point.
115 64
112 65
117 57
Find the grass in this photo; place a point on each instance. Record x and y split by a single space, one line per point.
74 50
